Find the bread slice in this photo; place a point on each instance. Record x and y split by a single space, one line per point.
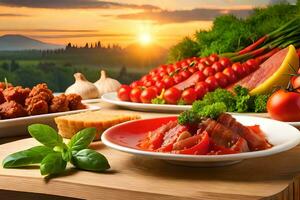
69 125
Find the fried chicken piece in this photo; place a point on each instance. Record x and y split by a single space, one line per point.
12 109
75 102
36 105
2 99
17 94
59 104
42 91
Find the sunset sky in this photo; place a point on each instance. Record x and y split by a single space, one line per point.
123 22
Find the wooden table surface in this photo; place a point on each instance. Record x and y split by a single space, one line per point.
135 178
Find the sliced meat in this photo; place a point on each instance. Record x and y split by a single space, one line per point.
256 141
172 135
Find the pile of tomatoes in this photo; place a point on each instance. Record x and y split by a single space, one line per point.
187 80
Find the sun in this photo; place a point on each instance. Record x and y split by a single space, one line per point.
145 38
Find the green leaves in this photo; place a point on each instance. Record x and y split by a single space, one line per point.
53 163
45 135
27 157
82 139
88 159
55 154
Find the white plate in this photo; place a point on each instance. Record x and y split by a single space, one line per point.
282 135
18 126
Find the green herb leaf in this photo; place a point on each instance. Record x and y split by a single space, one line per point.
158 100
82 139
45 135
27 157
53 163
88 159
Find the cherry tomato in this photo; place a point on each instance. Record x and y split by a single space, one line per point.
153 72
201 66
124 93
253 64
189 96
206 61
225 62
170 69
208 71
177 78
162 73
212 82
149 83
201 76
156 78
284 106
201 88
185 74
222 79
295 81
148 94
135 84
230 75
160 86
162 68
168 81
172 95
217 67
213 58
192 69
135 94
238 69
146 78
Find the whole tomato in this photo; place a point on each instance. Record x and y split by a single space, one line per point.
185 74
232 78
177 78
201 88
148 94
212 83
135 94
213 58
295 81
217 67
172 95
135 84
225 62
168 81
238 69
222 79
189 96
160 86
124 93
209 71
284 106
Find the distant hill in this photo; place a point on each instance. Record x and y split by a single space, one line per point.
20 42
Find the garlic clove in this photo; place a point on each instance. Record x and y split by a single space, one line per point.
83 87
106 84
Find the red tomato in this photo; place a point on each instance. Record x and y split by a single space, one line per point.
212 82
222 79
153 72
162 73
230 75
170 69
201 66
156 78
168 81
253 64
162 68
160 86
225 62
201 88
238 69
295 81
201 146
206 61
213 58
217 67
284 106
124 93
201 76
189 96
135 94
135 84
148 94
185 74
149 83
172 95
208 71
177 78
146 78
192 69
246 69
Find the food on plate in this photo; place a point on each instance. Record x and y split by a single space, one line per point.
106 84
20 102
4 85
12 109
70 124
272 73
207 132
83 87
53 154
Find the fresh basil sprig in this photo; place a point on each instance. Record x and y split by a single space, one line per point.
55 154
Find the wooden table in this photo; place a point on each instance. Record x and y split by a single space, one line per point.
136 178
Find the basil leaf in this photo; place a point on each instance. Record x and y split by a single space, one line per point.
45 135
82 139
88 159
53 163
66 155
27 157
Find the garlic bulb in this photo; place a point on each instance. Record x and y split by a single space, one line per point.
105 84
83 87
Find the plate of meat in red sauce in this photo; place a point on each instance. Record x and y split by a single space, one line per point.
21 107
225 140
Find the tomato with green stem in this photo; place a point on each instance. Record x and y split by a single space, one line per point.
172 95
148 94
135 94
189 95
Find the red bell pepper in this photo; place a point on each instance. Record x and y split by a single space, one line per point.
200 148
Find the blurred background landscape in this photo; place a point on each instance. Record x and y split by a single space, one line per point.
48 41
